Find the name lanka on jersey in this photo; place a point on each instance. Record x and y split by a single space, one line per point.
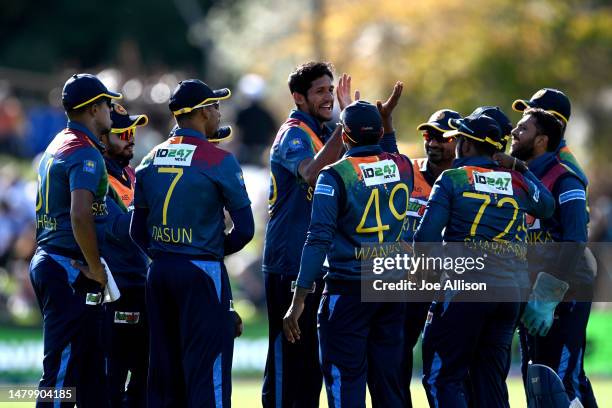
380 172
174 155
498 182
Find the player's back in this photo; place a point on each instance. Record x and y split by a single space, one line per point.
185 183
373 195
70 162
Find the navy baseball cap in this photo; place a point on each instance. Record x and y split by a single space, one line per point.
122 121
222 134
481 128
439 120
549 99
361 119
500 117
82 89
192 94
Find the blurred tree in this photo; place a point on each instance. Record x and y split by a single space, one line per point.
47 36
449 53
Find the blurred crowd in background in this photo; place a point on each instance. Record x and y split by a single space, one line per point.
251 47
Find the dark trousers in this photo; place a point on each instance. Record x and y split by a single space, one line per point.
191 332
126 338
292 377
466 353
361 343
416 313
562 349
73 354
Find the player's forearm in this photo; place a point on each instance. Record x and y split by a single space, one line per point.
543 203
84 231
243 231
138 228
328 154
311 266
388 142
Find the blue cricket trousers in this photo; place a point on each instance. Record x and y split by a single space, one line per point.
191 331
361 343
72 329
466 353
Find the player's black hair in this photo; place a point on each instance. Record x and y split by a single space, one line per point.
302 77
484 148
547 124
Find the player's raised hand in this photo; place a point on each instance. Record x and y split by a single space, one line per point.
343 92
386 108
290 321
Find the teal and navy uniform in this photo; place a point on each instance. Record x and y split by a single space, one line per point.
126 331
354 204
478 203
292 374
72 343
563 348
184 184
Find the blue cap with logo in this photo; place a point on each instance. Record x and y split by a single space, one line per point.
439 120
549 99
481 128
82 89
361 119
500 117
192 94
122 121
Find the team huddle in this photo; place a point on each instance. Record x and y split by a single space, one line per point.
136 301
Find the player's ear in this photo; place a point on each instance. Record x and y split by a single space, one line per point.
298 98
541 140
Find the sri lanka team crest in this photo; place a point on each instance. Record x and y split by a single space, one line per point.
119 109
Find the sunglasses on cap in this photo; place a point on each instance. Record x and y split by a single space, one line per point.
127 136
429 135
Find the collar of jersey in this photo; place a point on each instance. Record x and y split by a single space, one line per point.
540 165
189 132
321 131
81 128
362 151
478 161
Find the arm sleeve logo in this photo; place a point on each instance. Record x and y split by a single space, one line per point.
572 195
89 166
324 189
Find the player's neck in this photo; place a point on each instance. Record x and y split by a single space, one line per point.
437 168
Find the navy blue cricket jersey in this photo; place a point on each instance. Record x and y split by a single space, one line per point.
72 161
290 200
185 183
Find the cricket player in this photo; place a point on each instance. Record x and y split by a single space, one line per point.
360 342
302 147
555 320
182 188
556 102
440 153
72 187
477 202
125 324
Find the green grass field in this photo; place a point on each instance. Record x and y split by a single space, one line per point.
247 394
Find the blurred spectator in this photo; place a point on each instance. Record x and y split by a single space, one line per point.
256 126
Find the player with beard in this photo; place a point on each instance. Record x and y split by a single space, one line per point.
126 329
440 153
554 322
